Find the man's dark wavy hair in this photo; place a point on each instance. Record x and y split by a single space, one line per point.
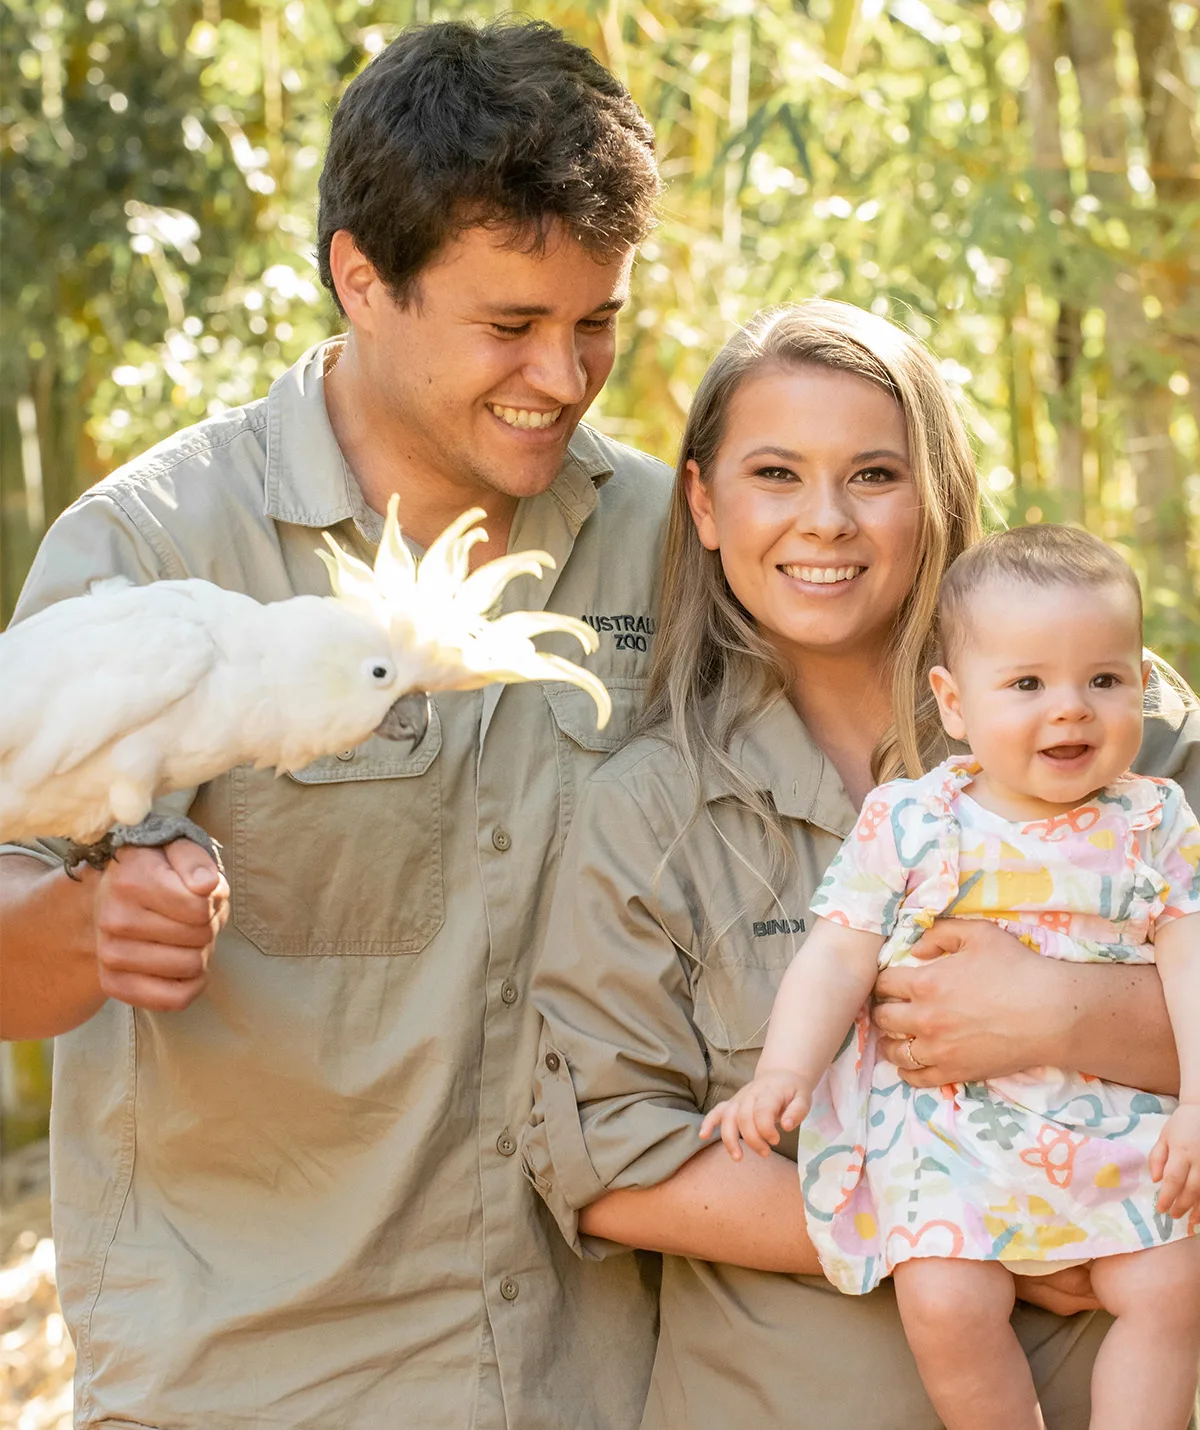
506 124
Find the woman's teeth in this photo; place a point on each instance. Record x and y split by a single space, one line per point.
526 417
823 575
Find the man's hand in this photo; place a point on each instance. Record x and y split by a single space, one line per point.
157 914
774 1099
1066 1292
982 1013
1175 1162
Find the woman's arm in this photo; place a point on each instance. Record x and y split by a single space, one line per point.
996 1007
748 1213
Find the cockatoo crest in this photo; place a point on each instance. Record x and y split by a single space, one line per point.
438 608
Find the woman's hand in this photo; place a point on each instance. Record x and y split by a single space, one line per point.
989 1010
1065 1292
776 1098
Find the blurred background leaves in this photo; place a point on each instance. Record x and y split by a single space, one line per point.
1017 180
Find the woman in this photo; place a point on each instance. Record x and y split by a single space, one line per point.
825 484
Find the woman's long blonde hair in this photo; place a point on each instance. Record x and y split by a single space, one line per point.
712 672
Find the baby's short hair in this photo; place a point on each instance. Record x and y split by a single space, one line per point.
1044 555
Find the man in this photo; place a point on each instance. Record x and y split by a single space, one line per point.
286 1108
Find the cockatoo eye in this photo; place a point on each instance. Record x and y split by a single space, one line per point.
382 672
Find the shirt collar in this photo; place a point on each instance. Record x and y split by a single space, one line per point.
780 757
308 482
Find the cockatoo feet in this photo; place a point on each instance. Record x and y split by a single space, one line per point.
408 719
152 833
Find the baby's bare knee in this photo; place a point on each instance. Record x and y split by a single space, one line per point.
953 1298
1162 1281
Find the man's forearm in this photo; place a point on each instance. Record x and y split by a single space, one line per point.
748 1213
49 980
1116 1026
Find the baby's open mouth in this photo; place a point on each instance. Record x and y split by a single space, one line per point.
1064 754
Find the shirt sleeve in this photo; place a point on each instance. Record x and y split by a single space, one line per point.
91 540
1175 854
865 885
621 1074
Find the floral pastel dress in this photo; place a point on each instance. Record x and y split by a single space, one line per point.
1044 1167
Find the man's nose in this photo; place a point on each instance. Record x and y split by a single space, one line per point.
557 370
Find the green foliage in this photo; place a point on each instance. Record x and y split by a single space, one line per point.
1017 182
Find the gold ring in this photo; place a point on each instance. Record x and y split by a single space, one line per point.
914 1062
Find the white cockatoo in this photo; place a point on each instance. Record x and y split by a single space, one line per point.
111 699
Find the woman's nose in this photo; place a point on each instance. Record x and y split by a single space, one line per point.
825 512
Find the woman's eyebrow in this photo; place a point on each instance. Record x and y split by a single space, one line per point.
791 456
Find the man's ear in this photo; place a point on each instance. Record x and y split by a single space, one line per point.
699 499
357 283
945 692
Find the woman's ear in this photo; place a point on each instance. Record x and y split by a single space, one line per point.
699 500
945 692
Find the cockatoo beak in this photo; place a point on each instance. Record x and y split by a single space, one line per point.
408 719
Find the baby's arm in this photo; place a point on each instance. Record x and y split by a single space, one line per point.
825 985
1175 1160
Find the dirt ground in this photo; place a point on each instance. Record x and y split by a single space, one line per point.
37 1359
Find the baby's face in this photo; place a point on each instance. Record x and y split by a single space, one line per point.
1047 691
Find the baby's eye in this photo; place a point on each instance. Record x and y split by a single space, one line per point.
1027 683
1105 681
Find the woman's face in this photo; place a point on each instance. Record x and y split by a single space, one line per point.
813 507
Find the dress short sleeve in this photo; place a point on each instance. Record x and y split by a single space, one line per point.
1175 855
865 885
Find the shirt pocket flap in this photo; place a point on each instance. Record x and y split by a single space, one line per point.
574 712
733 1005
375 759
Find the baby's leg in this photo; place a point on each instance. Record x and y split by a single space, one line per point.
1146 1371
956 1317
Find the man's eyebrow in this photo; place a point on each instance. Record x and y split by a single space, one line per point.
541 310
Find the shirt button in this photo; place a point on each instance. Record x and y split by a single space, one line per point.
505 1144
345 756
553 1062
508 991
501 839
509 1289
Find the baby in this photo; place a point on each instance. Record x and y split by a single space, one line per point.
1043 830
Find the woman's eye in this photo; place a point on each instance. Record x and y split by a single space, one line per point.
875 476
1106 681
775 474
1027 683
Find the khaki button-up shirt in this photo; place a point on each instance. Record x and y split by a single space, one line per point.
296 1204
656 981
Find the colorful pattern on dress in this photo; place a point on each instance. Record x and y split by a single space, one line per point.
1045 1166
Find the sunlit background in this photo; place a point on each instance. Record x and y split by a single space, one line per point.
1017 182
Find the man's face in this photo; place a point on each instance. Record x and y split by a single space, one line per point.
482 377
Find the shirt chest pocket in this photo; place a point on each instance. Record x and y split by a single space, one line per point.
344 856
579 746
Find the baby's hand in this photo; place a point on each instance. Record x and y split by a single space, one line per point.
1175 1161
778 1098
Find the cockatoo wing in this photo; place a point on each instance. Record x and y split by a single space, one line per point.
92 668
